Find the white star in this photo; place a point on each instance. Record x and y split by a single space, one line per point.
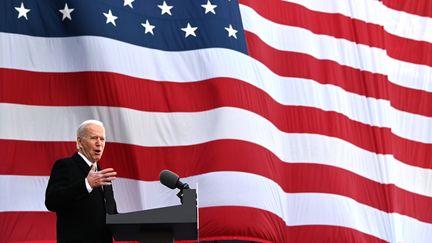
66 12
148 27
231 31
128 3
165 8
22 11
209 7
110 18
189 30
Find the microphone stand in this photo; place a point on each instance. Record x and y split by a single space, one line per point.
180 193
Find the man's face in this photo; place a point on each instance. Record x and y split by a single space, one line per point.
92 143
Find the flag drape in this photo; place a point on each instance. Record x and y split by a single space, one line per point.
296 120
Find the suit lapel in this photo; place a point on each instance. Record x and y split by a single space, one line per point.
81 163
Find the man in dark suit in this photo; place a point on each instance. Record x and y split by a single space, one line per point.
80 192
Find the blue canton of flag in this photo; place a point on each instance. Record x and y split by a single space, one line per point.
166 25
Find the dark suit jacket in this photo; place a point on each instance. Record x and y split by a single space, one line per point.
80 215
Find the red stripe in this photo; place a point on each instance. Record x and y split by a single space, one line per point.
166 97
414 153
410 100
25 226
263 225
39 88
418 7
32 88
228 155
124 91
336 25
240 223
346 27
16 156
329 234
293 64
409 50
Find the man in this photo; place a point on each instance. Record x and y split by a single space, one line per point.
79 192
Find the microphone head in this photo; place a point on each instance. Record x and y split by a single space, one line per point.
169 178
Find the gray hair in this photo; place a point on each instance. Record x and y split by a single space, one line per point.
82 127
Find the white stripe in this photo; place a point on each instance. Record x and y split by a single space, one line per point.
396 22
408 25
22 193
289 38
344 52
166 66
242 189
177 129
27 193
217 63
410 75
367 10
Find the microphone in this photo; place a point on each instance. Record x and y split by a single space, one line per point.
172 180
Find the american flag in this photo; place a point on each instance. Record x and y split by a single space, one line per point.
297 120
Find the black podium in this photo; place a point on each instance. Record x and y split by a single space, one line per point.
160 225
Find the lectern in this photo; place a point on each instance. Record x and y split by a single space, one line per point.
160 225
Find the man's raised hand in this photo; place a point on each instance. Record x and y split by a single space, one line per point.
100 178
